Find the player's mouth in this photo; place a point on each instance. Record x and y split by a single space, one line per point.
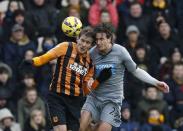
82 50
99 47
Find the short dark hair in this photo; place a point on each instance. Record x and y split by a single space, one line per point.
104 28
19 12
3 70
135 3
148 86
178 64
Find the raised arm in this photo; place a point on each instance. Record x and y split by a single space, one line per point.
54 53
43 59
145 77
141 74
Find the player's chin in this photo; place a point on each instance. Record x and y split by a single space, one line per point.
82 51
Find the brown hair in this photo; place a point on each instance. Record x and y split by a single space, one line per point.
87 31
104 28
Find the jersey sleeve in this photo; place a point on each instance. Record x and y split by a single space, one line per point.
128 61
52 54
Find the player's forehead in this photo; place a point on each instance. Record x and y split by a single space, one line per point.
86 38
101 35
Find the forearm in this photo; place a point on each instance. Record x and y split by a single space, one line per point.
87 89
145 77
41 60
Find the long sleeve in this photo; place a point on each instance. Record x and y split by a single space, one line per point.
54 53
87 90
145 77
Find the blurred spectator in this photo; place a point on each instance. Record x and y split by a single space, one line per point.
5 75
14 49
164 43
161 7
96 9
179 14
152 100
165 71
137 18
133 39
25 66
124 5
7 121
141 57
85 3
105 17
36 122
8 21
155 121
30 101
19 18
27 82
44 73
154 33
175 97
43 17
127 123
6 87
75 8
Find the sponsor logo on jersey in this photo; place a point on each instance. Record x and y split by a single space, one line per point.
78 68
103 66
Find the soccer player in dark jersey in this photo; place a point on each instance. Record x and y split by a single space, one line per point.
74 69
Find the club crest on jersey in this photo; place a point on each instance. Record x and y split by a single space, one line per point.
78 68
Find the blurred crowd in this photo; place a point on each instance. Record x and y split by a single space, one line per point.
151 30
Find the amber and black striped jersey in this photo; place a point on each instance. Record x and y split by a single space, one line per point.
72 69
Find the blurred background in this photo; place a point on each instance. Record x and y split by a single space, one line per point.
151 30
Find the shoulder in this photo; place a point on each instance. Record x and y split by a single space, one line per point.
63 45
119 48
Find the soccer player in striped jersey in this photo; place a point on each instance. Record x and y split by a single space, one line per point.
74 69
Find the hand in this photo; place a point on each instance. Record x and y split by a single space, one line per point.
90 82
104 75
162 86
